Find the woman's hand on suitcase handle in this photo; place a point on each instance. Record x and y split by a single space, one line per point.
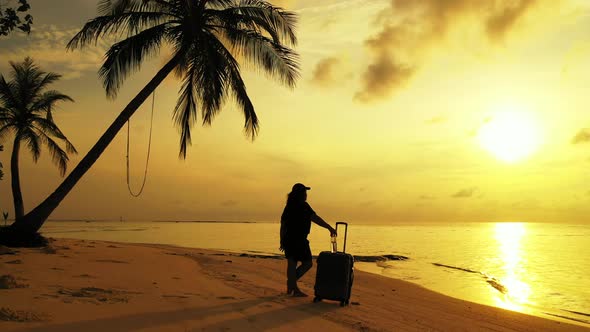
332 231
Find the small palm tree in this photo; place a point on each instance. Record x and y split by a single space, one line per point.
207 37
25 111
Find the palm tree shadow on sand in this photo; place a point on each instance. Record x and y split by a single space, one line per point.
262 321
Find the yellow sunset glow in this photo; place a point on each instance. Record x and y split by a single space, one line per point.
510 135
509 236
384 117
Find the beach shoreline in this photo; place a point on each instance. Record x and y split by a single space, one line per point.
83 285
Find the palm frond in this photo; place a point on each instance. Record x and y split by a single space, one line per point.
220 3
238 87
125 23
251 125
7 95
127 55
26 76
5 129
47 126
118 7
45 79
274 20
70 148
212 79
47 100
185 112
6 116
58 155
32 140
278 61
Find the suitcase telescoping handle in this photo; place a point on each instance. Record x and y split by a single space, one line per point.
345 233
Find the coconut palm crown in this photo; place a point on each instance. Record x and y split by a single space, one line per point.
207 37
26 111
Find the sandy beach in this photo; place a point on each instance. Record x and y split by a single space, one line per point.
78 285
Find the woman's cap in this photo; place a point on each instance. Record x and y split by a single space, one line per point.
300 187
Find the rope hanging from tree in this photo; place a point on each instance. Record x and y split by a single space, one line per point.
147 160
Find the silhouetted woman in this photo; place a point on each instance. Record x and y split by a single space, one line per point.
295 225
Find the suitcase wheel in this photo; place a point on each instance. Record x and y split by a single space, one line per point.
343 303
317 299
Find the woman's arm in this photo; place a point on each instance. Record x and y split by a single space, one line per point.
319 221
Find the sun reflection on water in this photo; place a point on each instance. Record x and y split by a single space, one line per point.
516 292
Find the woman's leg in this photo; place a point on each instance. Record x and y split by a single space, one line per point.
291 275
303 268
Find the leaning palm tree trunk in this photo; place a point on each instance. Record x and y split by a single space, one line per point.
32 221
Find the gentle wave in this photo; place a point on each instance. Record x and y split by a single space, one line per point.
357 258
570 318
578 313
495 283
492 281
380 258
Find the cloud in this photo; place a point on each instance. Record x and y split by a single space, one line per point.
465 193
436 120
504 19
323 74
583 136
288 4
383 76
427 197
525 204
47 46
408 30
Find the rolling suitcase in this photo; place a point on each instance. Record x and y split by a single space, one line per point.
334 276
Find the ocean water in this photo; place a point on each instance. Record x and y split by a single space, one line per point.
539 269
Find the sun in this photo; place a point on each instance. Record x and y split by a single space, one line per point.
510 135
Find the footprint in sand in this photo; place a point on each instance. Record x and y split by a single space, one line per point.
8 281
111 261
93 294
175 296
9 315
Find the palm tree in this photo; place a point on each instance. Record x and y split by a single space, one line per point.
206 37
25 110
1 171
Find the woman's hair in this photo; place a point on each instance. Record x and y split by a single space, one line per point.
296 196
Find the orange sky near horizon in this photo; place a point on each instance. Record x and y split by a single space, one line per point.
385 123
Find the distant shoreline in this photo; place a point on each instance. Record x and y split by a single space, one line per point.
208 221
167 221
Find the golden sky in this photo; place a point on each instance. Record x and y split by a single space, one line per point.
385 124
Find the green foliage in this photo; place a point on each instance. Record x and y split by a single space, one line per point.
10 19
